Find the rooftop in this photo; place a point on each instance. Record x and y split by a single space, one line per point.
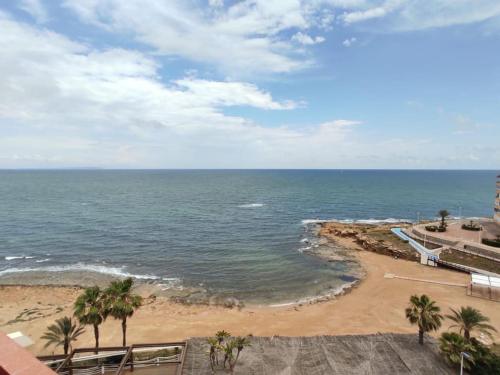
347 355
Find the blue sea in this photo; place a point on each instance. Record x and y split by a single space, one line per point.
236 233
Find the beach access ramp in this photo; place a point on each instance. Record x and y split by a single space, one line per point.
426 255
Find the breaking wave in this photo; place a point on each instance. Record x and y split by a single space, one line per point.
18 257
359 221
251 205
114 271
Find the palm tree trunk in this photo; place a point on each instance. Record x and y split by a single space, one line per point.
66 346
466 334
124 331
96 335
233 365
421 337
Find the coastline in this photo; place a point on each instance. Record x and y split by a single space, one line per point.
374 304
80 276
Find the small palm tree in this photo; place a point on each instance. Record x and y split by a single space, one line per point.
121 302
423 312
443 214
222 335
469 319
89 309
452 345
239 343
62 333
214 349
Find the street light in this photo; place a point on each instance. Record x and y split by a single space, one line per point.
462 355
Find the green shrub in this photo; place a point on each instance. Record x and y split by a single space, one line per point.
471 226
494 243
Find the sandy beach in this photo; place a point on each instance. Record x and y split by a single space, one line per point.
376 304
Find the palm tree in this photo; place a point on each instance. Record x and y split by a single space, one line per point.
423 312
222 335
469 319
121 303
62 333
443 214
239 343
452 345
214 348
89 309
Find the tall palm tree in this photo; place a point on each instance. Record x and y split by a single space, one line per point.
452 345
469 319
121 302
62 333
89 309
423 312
443 214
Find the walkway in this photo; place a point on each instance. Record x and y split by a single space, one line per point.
417 246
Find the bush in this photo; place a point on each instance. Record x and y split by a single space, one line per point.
485 361
471 226
441 228
494 243
431 228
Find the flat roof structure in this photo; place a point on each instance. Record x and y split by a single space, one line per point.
15 360
380 354
484 287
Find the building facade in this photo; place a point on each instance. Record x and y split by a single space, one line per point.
497 201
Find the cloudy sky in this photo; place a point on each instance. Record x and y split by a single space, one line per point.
250 84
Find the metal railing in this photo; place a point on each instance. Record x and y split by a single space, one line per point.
74 363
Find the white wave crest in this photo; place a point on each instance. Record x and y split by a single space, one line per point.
302 249
18 257
251 205
330 294
114 271
389 220
42 260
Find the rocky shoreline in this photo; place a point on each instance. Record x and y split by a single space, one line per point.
375 238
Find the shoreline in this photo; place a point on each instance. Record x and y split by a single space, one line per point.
325 246
372 304
320 247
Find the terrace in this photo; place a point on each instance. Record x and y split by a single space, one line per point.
394 354
139 359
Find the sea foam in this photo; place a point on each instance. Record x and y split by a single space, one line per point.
251 205
115 271
389 220
18 257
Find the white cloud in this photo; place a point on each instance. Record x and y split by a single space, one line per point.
36 9
265 36
363 15
307 39
243 37
349 42
403 15
216 3
65 104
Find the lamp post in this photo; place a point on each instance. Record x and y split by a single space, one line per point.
462 355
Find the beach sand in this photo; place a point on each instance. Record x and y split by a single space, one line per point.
376 304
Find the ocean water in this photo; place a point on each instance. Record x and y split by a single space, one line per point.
230 233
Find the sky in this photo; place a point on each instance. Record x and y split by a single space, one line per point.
339 84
